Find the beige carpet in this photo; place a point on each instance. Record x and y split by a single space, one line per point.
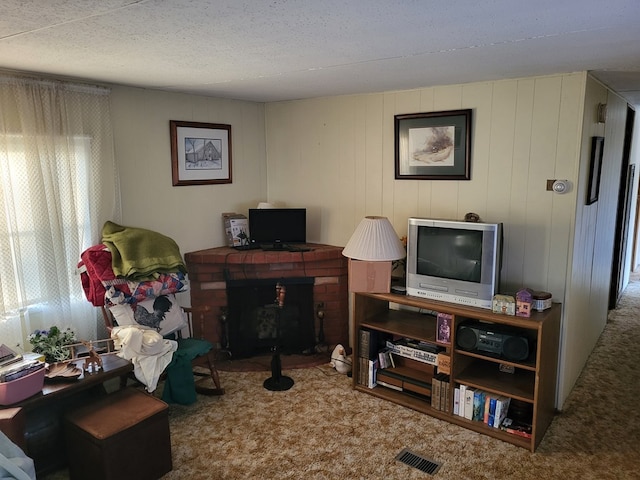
322 429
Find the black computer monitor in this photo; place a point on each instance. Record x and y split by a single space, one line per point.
277 226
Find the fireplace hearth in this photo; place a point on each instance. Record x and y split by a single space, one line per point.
323 267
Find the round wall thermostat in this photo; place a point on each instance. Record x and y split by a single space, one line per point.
561 186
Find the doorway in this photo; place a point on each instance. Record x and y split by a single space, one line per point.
625 192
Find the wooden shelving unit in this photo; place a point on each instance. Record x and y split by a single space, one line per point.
531 382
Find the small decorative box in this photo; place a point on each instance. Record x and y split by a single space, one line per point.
541 301
505 304
524 302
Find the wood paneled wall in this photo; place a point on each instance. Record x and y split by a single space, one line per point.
335 156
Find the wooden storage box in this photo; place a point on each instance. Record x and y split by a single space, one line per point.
122 436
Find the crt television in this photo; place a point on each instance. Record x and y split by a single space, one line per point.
454 261
277 226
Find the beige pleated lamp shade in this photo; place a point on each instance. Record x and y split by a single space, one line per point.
374 240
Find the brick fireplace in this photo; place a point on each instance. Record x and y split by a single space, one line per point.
326 267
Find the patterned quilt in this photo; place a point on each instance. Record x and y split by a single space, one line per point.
102 287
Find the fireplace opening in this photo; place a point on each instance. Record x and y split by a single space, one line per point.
260 317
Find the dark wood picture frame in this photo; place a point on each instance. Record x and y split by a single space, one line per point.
200 153
595 168
433 146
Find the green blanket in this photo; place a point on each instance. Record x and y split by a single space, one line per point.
140 254
180 386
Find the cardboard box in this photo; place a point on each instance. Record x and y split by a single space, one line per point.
372 277
236 228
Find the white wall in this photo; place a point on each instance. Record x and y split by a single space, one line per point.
589 272
191 215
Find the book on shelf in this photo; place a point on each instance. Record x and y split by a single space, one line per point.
468 403
372 341
502 408
489 409
487 399
368 343
445 395
372 370
435 392
449 403
463 393
492 410
456 401
363 371
478 405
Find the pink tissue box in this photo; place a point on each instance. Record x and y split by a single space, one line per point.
21 388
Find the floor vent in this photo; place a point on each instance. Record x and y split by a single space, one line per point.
414 460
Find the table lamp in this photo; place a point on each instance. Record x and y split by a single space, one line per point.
371 250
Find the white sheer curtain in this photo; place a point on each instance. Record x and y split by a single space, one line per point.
58 185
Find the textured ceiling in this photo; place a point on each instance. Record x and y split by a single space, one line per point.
268 50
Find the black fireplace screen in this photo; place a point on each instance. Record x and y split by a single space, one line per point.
256 322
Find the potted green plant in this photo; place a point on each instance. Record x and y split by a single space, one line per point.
52 343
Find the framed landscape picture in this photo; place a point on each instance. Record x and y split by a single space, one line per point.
433 146
200 153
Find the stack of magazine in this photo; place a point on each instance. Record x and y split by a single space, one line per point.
14 365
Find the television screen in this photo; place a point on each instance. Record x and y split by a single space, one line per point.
277 226
450 253
454 261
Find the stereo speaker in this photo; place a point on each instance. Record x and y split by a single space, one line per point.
511 346
515 348
467 338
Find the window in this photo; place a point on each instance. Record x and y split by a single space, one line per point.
36 270
58 185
